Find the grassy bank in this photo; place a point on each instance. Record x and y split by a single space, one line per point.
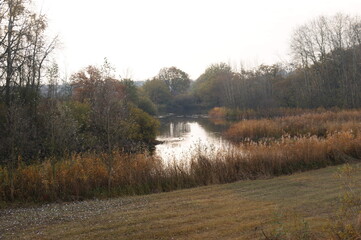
300 206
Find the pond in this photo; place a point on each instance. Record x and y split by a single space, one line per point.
184 137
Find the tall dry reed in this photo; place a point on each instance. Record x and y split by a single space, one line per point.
319 124
87 175
247 114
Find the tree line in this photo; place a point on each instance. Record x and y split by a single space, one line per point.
325 72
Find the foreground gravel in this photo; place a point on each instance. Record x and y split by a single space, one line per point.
13 220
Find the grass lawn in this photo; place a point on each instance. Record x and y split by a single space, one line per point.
240 210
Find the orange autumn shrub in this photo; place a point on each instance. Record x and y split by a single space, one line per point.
218 112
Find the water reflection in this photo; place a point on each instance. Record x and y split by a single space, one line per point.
184 137
176 130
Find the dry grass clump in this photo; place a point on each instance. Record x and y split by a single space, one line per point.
319 124
253 130
82 176
247 114
285 156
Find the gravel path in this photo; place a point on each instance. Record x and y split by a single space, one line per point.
12 220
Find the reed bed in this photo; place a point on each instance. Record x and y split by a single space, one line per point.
308 124
247 114
89 175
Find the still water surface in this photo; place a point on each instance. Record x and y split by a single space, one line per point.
184 137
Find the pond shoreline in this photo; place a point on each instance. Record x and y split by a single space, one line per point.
184 135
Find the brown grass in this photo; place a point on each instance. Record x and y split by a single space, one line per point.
82 176
285 156
87 176
319 124
247 114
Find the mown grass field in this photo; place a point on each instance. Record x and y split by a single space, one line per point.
301 204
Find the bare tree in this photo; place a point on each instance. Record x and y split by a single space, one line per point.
23 51
325 48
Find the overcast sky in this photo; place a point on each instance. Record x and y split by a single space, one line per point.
141 36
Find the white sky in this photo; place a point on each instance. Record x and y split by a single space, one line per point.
142 36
